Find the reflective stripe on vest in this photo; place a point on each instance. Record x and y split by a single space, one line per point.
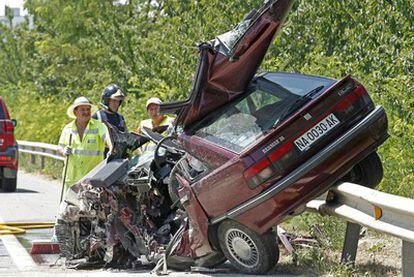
87 152
87 131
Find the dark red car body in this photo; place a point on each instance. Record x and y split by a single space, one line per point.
272 177
8 150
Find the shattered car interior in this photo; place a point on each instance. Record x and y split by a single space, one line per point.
248 151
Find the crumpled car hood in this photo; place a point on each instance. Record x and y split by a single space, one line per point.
228 63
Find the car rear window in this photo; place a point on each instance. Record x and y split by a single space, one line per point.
263 107
297 83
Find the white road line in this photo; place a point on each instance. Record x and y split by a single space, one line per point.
17 252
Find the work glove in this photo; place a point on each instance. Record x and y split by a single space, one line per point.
67 150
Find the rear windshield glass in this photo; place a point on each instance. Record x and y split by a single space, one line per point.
263 107
298 84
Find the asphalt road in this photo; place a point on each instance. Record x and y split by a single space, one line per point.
37 199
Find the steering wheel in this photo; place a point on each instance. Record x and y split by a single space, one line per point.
159 159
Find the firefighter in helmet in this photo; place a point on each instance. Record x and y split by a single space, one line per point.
111 99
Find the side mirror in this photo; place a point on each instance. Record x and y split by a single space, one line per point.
14 122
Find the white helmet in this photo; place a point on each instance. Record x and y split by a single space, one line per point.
153 100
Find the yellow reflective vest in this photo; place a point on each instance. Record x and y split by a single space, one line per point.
148 123
86 153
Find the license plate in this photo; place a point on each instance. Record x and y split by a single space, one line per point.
316 132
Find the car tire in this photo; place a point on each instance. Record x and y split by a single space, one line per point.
9 184
211 260
246 250
368 172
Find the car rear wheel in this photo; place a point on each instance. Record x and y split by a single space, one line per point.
368 172
247 251
9 184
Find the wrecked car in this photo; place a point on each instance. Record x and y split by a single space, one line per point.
248 151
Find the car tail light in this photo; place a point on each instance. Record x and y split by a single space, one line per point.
8 126
257 168
259 173
8 137
265 168
276 155
350 99
5 158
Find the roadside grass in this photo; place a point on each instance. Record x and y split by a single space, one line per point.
378 254
325 262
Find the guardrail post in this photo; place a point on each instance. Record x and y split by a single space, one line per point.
33 159
42 162
350 248
407 258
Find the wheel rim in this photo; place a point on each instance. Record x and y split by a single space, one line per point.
242 248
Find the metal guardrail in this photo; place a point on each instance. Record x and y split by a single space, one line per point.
40 149
361 206
358 205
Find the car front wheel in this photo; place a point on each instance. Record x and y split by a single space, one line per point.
9 184
246 250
